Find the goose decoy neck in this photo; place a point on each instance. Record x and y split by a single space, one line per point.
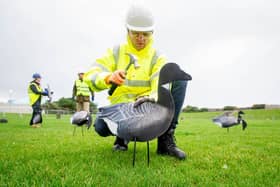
244 124
165 98
239 117
169 72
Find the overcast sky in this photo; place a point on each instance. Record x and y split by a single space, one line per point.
230 47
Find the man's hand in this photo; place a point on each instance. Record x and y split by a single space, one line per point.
92 98
143 99
45 92
117 77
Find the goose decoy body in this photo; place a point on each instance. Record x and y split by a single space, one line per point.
37 119
226 120
150 119
81 118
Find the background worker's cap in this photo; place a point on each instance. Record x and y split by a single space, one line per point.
139 18
36 76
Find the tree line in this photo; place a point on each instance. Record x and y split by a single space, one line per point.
66 104
190 108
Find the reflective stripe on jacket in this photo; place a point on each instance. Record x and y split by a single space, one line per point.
33 97
82 88
139 82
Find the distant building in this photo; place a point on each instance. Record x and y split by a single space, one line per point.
15 108
272 106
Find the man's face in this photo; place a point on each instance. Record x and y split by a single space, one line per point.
81 75
38 80
139 39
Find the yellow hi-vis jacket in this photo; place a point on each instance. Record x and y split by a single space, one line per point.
82 88
33 97
142 81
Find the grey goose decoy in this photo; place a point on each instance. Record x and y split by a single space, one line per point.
81 118
226 120
150 119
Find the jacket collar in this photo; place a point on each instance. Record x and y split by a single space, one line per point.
146 51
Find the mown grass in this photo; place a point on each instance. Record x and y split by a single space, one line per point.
52 156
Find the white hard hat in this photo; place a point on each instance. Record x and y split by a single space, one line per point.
139 18
81 70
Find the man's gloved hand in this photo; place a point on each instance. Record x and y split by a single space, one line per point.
116 77
45 92
92 98
143 99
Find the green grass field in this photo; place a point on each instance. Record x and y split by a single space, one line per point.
52 156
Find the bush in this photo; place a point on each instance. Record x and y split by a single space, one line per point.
258 106
66 103
203 110
52 106
230 108
189 108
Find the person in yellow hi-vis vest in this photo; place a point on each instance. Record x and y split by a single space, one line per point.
35 93
82 92
110 71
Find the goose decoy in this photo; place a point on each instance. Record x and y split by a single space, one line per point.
37 119
79 119
3 120
148 120
226 120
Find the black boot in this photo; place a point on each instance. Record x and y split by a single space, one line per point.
120 144
167 146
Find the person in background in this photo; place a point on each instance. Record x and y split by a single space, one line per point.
35 94
136 83
81 93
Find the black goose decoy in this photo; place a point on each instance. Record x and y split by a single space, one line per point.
81 118
226 120
3 120
148 120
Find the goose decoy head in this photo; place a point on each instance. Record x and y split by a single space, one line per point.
240 112
172 72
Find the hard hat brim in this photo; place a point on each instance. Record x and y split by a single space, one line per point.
141 29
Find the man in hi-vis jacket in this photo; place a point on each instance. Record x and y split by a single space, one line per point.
134 83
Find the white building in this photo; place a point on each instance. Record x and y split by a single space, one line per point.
15 108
